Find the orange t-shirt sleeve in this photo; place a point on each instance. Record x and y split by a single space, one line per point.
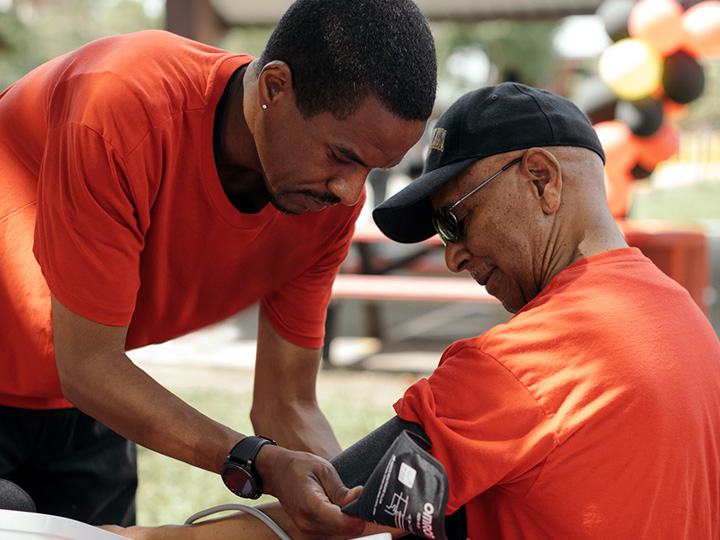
298 310
485 428
87 240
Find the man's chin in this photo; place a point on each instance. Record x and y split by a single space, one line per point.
280 207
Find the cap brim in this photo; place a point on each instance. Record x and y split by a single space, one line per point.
406 217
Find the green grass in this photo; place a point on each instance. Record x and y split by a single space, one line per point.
171 491
698 201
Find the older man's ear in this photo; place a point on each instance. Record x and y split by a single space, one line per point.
545 174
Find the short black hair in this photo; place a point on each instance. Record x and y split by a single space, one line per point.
342 51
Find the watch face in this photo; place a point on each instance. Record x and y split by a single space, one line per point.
239 481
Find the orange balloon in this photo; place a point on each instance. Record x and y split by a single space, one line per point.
653 150
674 110
658 93
620 146
618 188
702 29
659 23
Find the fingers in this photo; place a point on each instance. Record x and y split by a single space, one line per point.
324 519
352 494
336 491
337 496
310 491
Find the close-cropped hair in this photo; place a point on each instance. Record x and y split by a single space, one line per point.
342 51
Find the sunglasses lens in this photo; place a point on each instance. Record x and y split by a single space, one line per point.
445 225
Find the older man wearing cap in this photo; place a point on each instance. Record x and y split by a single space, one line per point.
594 413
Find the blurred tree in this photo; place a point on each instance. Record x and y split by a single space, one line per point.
246 40
519 50
34 31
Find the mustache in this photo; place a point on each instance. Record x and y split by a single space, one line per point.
327 198
322 197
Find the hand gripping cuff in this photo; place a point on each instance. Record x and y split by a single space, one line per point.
408 490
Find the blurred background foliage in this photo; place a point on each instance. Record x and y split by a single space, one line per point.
469 54
34 31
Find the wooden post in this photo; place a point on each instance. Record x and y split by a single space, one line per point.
194 19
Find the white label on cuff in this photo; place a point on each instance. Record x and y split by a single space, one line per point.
406 475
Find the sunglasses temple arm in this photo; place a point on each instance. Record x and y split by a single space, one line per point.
506 167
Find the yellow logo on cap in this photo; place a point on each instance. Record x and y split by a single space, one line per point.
438 139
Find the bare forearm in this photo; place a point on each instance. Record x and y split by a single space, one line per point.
99 379
236 527
284 399
126 399
299 426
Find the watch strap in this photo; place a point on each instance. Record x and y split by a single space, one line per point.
245 451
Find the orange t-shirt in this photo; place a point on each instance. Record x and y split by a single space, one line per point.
594 413
107 159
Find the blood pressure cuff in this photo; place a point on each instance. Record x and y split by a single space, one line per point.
408 490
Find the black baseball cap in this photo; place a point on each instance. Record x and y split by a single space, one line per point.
489 121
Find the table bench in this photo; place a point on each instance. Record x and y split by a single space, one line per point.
409 288
411 278
678 249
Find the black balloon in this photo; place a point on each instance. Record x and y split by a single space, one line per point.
639 172
644 117
688 3
683 78
615 14
595 99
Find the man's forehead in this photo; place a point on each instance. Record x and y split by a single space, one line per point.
458 185
443 196
374 137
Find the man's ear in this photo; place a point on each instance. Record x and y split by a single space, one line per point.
275 82
544 170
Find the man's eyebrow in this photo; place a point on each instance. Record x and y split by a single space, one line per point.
351 155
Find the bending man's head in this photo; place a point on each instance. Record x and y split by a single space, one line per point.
342 51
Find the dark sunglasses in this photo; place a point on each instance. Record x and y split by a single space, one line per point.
444 221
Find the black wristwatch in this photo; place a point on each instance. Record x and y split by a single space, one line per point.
239 473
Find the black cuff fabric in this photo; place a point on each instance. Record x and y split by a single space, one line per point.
407 490
356 464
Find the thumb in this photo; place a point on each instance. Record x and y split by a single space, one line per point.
336 491
351 495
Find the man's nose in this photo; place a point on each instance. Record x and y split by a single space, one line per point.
456 256
349 187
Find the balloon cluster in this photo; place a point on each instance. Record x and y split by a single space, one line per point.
646 77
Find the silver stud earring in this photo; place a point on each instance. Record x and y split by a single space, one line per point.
264 107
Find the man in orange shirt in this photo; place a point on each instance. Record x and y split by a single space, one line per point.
153 185
594 413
